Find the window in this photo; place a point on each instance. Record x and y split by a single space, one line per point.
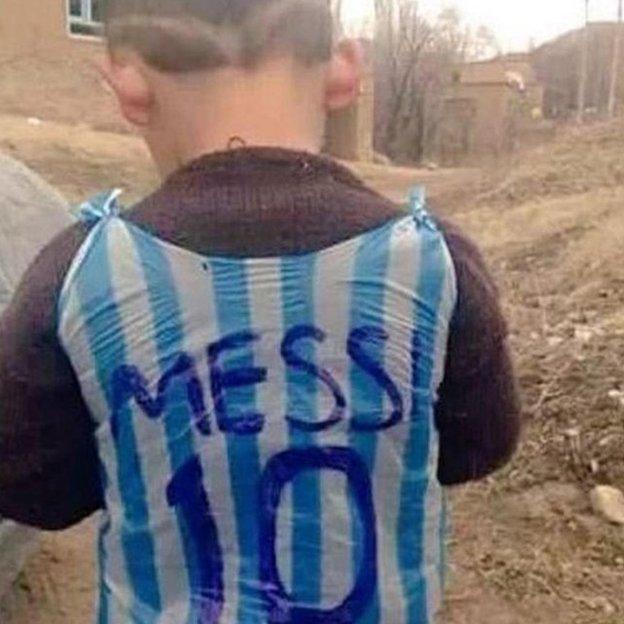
85 17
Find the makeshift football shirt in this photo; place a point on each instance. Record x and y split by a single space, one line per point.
265 425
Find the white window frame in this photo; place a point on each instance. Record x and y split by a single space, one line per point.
83 25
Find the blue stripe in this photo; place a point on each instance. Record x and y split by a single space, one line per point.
367 397
415 481
106 340
169 339
233 313
298 279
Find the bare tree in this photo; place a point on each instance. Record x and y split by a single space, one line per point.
401 47
415 58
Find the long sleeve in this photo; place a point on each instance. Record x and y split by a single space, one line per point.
49 476
478 413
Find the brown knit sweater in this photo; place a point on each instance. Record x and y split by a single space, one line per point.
248 202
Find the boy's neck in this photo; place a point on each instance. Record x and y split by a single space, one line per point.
279 105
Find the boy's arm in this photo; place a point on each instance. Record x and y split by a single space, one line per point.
49 476
478 414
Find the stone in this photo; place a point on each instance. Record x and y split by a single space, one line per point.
608 502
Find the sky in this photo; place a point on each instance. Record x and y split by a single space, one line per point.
515 22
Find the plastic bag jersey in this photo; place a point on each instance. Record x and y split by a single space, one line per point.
265 425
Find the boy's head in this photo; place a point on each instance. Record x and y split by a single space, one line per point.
264 71
190 35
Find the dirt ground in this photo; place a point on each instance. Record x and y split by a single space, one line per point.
526 546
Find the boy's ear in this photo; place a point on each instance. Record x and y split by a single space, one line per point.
344 75
130 86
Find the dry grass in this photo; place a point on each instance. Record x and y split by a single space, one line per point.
581 160
553 229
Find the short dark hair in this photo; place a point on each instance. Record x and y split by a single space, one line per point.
189 35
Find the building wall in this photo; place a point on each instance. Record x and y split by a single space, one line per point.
455 136
493 116
32 26
476 122
486 112
45 72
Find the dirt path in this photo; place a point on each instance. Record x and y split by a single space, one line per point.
57 585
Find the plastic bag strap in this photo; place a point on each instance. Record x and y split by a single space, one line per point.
102 206
418 209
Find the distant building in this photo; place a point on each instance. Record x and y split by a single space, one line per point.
557 64
486 104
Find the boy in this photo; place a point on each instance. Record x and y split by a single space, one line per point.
242 371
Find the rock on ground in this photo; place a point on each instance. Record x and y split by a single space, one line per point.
609 503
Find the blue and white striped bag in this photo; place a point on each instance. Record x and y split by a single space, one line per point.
265 426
